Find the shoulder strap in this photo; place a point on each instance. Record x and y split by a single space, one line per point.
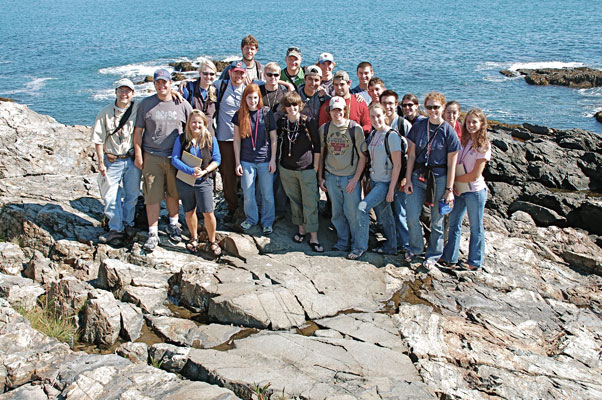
124 118
401 127
350 130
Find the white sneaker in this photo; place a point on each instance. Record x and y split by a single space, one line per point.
151 242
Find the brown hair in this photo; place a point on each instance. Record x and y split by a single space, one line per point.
291 98
244 117
376 81
411 97
435 96
480 141
388 93
249 40
205 139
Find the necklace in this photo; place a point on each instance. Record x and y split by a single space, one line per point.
291 134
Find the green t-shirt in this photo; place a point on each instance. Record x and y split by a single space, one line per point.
297 80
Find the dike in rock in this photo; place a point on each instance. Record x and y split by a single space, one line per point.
581 77
270 312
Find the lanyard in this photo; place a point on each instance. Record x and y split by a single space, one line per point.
254 140
430 140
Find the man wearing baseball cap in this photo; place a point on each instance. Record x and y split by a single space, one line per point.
312 94
159 122
327 64
355 111
113 137
342 162
293 72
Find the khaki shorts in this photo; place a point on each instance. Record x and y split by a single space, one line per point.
159 178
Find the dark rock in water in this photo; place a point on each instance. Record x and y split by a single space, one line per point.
598 116
508 73
177 77
582 77
183 66
149 78
220 65
522 134
5 99
542 130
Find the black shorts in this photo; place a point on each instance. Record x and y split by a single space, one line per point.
199 196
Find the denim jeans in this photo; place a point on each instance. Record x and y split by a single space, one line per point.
120 200
401 224
258 172
414 208
474 203
344 209
377 199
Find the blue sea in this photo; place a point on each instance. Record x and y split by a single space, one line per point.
62 57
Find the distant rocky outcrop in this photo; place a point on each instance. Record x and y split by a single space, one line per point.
582 77
271 314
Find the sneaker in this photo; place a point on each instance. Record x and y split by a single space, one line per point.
111 235
246 225
151 242
267 230
175 233
130 231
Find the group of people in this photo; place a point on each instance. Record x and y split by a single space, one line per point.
286 133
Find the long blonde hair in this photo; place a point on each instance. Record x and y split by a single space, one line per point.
480 142
205 138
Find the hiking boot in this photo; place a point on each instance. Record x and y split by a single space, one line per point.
175 233
151 242
111 235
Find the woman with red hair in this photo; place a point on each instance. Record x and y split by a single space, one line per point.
255 157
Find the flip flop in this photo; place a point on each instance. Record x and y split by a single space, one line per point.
299 237
316 247
355 254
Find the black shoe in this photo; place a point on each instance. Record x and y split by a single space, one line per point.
110 236
130 231
175 233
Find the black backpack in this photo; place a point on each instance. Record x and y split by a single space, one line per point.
404 150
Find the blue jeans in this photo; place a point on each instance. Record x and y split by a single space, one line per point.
252 172
120 200
344 209
414 208
377 199
401 224
474 203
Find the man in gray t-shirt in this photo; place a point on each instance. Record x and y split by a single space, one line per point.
158 123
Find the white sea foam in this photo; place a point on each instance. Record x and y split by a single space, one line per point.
545 64
31 88
232 58
140 91
136 70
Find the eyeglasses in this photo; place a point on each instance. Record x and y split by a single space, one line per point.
434 107
405 105
124 89
273 74
209 73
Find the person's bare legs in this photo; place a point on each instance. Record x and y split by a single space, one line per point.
210 225
192 222
173 205
152 214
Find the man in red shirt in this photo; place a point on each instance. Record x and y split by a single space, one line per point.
355 111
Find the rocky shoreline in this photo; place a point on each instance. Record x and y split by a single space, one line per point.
581 78
313 327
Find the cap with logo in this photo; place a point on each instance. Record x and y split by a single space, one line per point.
313 70
322 58
162 74
337 102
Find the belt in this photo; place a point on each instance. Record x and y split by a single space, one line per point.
119 156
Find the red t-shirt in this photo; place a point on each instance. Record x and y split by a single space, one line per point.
358 112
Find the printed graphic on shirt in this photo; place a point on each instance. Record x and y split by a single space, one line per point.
338 143
165 115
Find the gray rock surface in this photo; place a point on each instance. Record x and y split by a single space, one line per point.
526 326
20 291
11 258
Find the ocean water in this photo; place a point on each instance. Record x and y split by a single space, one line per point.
62 57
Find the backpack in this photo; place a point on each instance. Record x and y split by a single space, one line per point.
350 129
220 95
404 150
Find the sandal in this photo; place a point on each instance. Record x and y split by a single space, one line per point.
467 267
355 254
299 237
316 247
215 249
192 246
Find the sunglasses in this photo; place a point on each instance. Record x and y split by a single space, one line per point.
435 107
272 74
408 105
209 73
